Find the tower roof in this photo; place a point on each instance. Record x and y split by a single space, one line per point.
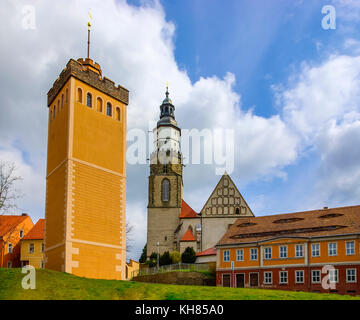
167 112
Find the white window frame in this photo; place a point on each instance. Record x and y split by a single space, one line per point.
286 252
10 248
302 250
312 276
226 253
251 254
296 276
312 250
240 254
329 250
271 277
346 249
287 277
336 275
42 247
267 255
347 275
31 245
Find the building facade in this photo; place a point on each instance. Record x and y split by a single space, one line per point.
172 224
33 246
86 173
13 228
315 251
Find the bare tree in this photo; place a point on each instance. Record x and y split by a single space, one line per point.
8 196
8 193
129 236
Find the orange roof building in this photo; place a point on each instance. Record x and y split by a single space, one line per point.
188 236
33 246
186 211
12 229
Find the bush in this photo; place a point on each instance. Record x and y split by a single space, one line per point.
143 255
175 257
152 262
188 256
165 259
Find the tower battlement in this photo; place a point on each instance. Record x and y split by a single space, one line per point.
89 72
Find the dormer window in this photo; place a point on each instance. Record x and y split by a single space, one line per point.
21 233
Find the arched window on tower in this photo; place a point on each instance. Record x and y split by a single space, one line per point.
89 100
165 190
108 109
118 114
99 105
79 95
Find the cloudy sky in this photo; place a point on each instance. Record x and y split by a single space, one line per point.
287 88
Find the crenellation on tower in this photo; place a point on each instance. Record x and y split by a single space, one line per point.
90 73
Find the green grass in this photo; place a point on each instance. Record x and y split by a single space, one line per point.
58 286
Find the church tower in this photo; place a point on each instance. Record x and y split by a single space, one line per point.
165 182
86 173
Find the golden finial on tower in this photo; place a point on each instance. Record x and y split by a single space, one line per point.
89 25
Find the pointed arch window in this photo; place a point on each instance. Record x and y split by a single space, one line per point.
79 95
165 190
89 100
108 109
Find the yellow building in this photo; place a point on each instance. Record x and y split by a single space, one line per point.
86 173
32 246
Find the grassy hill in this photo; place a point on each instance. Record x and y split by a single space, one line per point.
57 286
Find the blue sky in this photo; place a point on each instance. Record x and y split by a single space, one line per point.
266 69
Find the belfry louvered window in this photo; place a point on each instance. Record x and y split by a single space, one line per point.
165 190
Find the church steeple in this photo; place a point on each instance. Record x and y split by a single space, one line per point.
167 109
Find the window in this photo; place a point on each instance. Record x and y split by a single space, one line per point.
165 168
315 276
21 233
333 275
283 277
42 247
299 276
332 248
350 248
240 255
117 115
42 264
268 252
99 105
253 254
89 100
31 248
10 248
237 211
9 264
299 250
62 101
350 275
226 256
315 249
198 227
165 190
79 95
109 109
267 277
283 251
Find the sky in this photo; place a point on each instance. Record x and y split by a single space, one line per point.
287 88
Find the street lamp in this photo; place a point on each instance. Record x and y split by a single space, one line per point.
158 254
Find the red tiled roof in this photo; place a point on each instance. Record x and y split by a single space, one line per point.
188 236
8 222
187 211
315 223
207 252
37 232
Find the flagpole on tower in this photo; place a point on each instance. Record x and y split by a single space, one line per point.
89 25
